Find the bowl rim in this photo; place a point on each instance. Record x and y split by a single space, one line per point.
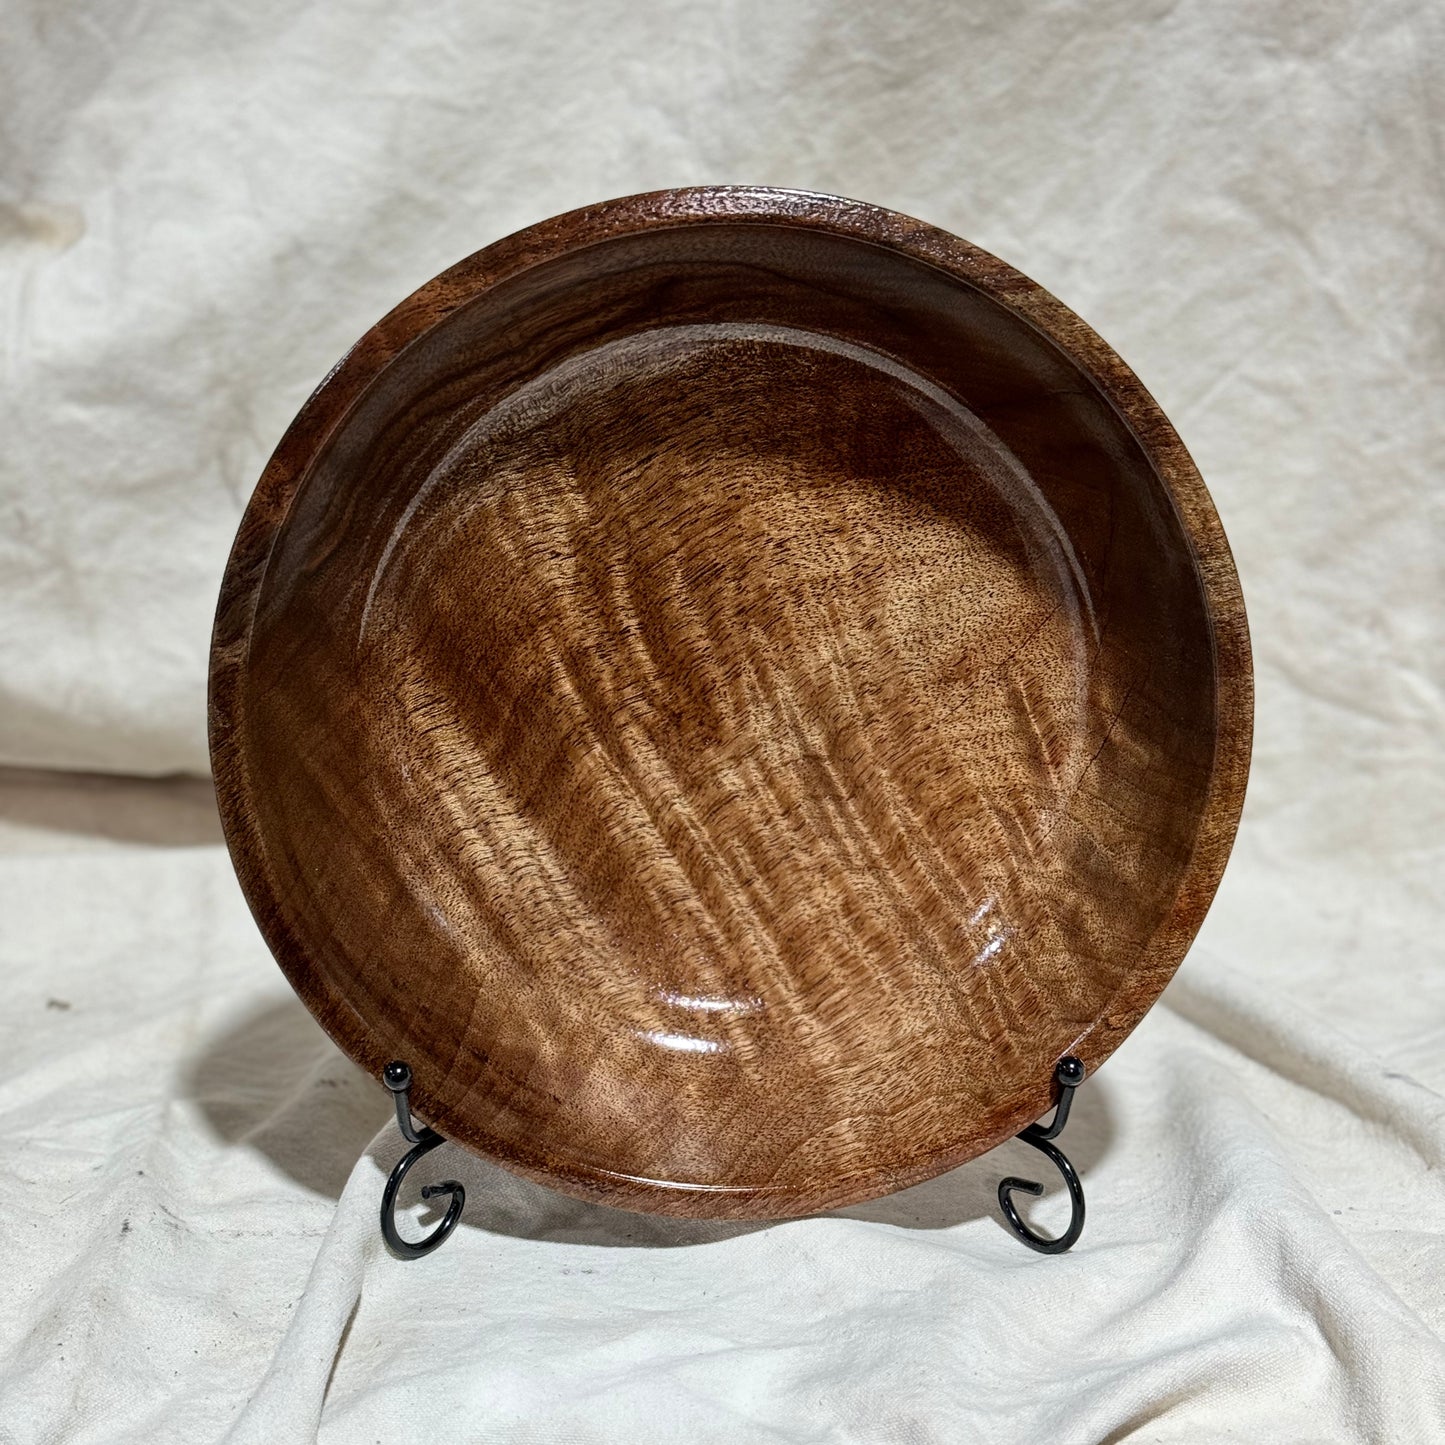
326 410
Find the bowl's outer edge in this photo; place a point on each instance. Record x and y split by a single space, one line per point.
344 385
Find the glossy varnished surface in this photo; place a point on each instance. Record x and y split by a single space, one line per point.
731 685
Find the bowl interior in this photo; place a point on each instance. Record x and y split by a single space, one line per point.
731 704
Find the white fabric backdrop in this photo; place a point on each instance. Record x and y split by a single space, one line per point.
201 206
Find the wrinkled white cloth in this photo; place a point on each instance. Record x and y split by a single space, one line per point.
201 207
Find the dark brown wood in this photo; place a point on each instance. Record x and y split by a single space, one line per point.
731 684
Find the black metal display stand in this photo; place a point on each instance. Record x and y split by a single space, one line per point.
397 1077
1070 1074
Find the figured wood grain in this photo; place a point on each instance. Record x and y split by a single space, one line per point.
732 685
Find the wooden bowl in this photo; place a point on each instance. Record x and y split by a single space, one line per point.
731 685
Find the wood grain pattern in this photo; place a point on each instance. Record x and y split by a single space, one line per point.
732 685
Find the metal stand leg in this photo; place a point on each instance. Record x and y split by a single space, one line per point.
1070 1074
397 1077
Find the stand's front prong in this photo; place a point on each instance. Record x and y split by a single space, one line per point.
1070 1074
397 1077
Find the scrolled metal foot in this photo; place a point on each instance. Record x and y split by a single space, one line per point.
397 1077
1070 1074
